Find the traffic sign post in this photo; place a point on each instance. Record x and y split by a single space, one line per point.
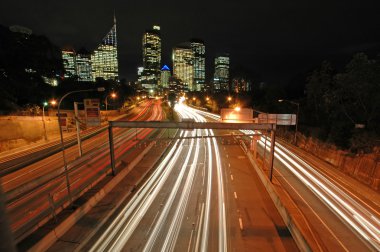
78 128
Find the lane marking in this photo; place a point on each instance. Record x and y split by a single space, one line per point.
241 224
150 227
232 177
235 195
191 238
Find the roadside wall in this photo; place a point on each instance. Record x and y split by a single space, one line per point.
17 131
363 167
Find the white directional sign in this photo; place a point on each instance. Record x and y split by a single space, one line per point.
279 119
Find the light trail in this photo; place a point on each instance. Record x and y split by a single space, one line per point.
164 213
350 211
355 215
140 202
222 236
121 229
174 229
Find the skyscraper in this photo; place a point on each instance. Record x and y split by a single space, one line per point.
165 75
222 73
183 67
151 45
83 66
69 62
104 59
199 63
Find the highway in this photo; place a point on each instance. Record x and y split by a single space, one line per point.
34 190
189 203
203 196
338 219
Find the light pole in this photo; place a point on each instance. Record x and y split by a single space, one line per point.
43 119
298 111
101 89
113 95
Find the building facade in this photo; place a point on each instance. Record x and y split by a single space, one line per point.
69 63
165 76
83 66
104 59
199 63
151 45
183 68
222 73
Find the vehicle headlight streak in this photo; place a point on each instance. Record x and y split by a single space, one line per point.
168 204
364 222
339 203
144 195
121 229
221 202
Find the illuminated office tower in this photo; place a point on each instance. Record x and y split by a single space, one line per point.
140 71
199 63
221 74
69 62
183 66
165 76
83 66
151 45
104 58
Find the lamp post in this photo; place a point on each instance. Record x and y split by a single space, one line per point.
43 119
113 95
61 135
298 110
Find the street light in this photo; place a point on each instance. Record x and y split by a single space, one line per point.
101 89
43 118
229 98
113 95
298 110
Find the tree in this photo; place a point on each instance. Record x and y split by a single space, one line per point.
357 91
318 87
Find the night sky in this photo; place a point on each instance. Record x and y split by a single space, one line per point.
273 39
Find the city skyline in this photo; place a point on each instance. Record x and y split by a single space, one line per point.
275 40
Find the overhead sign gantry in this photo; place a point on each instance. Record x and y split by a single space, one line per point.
190 125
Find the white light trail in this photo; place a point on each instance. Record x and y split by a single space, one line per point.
143 194
365 222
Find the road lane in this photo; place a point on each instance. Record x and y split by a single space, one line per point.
183 205
32 190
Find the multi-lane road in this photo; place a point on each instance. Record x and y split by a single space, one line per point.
338 218
191 203
203 195
34 190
